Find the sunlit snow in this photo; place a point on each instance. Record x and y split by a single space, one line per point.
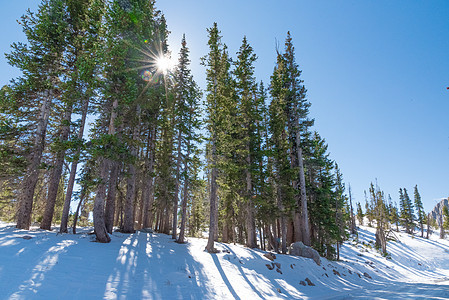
151 266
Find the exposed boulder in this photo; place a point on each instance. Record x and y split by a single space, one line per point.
270 256
299 249
309 282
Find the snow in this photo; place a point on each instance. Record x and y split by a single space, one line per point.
151 266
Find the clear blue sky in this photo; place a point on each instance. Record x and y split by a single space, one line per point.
376 74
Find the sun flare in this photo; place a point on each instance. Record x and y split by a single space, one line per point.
164 64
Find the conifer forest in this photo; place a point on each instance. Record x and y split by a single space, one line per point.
106 127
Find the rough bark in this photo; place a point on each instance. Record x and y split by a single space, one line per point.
213 202
250 224
297 233
381 240
57 172
302 182
177 184
71 182
148 216
98 213
25 204
128 222
185 195
111 197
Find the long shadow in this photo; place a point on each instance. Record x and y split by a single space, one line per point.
436 244
275 284
223 276
152 266
37 260
243 273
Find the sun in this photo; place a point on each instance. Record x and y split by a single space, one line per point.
164 64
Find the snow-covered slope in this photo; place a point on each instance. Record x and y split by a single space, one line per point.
151 266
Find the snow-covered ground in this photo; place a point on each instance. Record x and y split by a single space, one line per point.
152 266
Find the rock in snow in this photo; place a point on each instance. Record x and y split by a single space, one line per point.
270 256
299 249
309 282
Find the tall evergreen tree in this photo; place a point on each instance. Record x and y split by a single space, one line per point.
216 73
249 117
40 62
359 213
406 211
421 215
187 96
289 117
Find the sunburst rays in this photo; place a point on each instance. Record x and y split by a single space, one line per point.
154 65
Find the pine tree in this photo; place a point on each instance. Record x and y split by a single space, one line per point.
359 213
249 117
188 112
406 211
341 215
394 214
352 226
216 72
289 119
40 62
381 217
324 192
421 216
369 210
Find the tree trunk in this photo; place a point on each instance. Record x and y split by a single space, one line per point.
276 238
381 240
98 213
284 234
302 183
185 194
128 221
213 201
262 237
428 226
353 228
297 227
111 197
57 172
183 212
75 219
25 203
177 184
72 176
250 224
148 204
422 228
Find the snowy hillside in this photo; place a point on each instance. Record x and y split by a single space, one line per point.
43 265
